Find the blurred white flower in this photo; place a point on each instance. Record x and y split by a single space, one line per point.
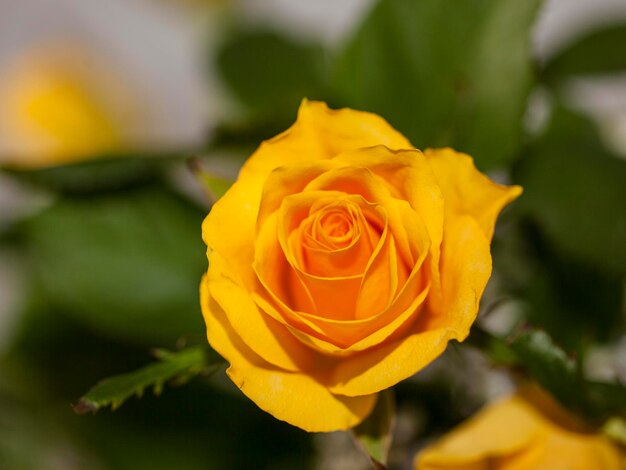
89 76
327 21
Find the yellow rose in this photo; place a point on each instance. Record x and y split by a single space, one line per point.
514 434
341 262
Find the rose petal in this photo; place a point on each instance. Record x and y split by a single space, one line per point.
321 133
368 336
264 335
388 364
488 440
314 253
482 437
467 191
230 228
344 335
466 264
393 269
466 268
290 396
324 289
277 270
239 207
408 176
288 180
337 334
334 298
275 273
363 334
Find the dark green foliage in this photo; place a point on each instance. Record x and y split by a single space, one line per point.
127 264
104 173
269 73
534 352
574 190
444 73
598 52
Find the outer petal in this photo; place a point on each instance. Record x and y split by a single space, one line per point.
501 429
230 227
465 271
514 435
290 396
466 267
380 368
467 191
264 335
564 450
287 180
321 133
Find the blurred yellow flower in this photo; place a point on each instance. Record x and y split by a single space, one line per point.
521 434
53 110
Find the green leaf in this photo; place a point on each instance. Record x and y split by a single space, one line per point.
562 292
599 52
496 347
615 428
214 186
547 364
444 72
176 367
542 359
270 73
574 192
94 175
31 428
374 434
127 264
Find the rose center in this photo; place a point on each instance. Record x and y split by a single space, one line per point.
336 225
335 237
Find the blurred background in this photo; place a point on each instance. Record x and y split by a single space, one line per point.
108 107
